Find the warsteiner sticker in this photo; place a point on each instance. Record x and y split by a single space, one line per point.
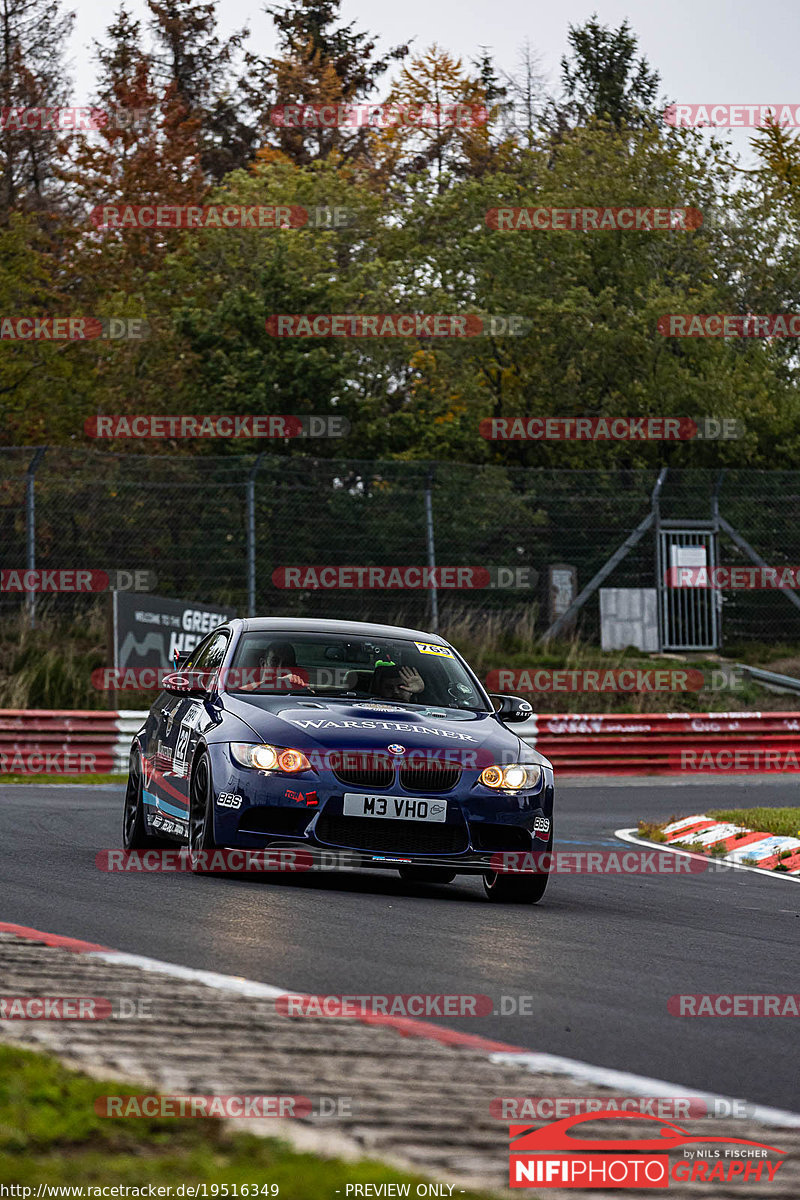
429 648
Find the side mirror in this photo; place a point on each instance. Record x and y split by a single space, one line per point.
511 708
188 683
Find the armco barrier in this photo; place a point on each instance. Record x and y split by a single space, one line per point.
53 742
667 743
63 742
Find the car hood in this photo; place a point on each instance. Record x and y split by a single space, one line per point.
331 725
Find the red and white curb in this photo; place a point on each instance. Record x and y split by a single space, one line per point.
740 844
497 1052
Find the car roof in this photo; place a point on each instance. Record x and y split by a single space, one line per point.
354 628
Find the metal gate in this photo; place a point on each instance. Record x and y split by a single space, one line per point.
689 616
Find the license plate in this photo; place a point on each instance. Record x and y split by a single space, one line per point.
398 808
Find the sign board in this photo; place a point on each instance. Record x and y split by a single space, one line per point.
147 630
628 617
562 588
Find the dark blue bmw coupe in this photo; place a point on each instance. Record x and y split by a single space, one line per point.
375 741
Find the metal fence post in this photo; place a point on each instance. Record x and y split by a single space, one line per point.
251 537
434 607
30 525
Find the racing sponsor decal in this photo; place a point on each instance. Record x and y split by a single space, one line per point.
541 825
310 799
432 648
229 800
362 723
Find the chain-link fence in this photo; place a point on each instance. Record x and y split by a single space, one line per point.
217 529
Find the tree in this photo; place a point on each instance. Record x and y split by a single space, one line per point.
32 76
603 78
191 58
320 62
450 137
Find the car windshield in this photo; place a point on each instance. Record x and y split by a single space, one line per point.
394 670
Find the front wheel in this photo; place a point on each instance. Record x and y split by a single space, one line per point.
518 889
201 814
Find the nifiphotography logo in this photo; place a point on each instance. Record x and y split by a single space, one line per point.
548 1157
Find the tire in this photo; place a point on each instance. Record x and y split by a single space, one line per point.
134 830
201 810
517 889
426 874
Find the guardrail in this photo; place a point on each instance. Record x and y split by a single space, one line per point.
63 742
42 741
667 743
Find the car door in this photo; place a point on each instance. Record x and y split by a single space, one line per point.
181 721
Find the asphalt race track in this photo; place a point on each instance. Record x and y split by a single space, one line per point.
601 954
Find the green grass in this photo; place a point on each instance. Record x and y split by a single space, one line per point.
783 821
62 779
49 1133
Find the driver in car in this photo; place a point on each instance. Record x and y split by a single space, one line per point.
277 666
397 683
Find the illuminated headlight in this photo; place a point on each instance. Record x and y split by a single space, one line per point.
515 776
269 758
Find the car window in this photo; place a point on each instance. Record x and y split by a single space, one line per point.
209 654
